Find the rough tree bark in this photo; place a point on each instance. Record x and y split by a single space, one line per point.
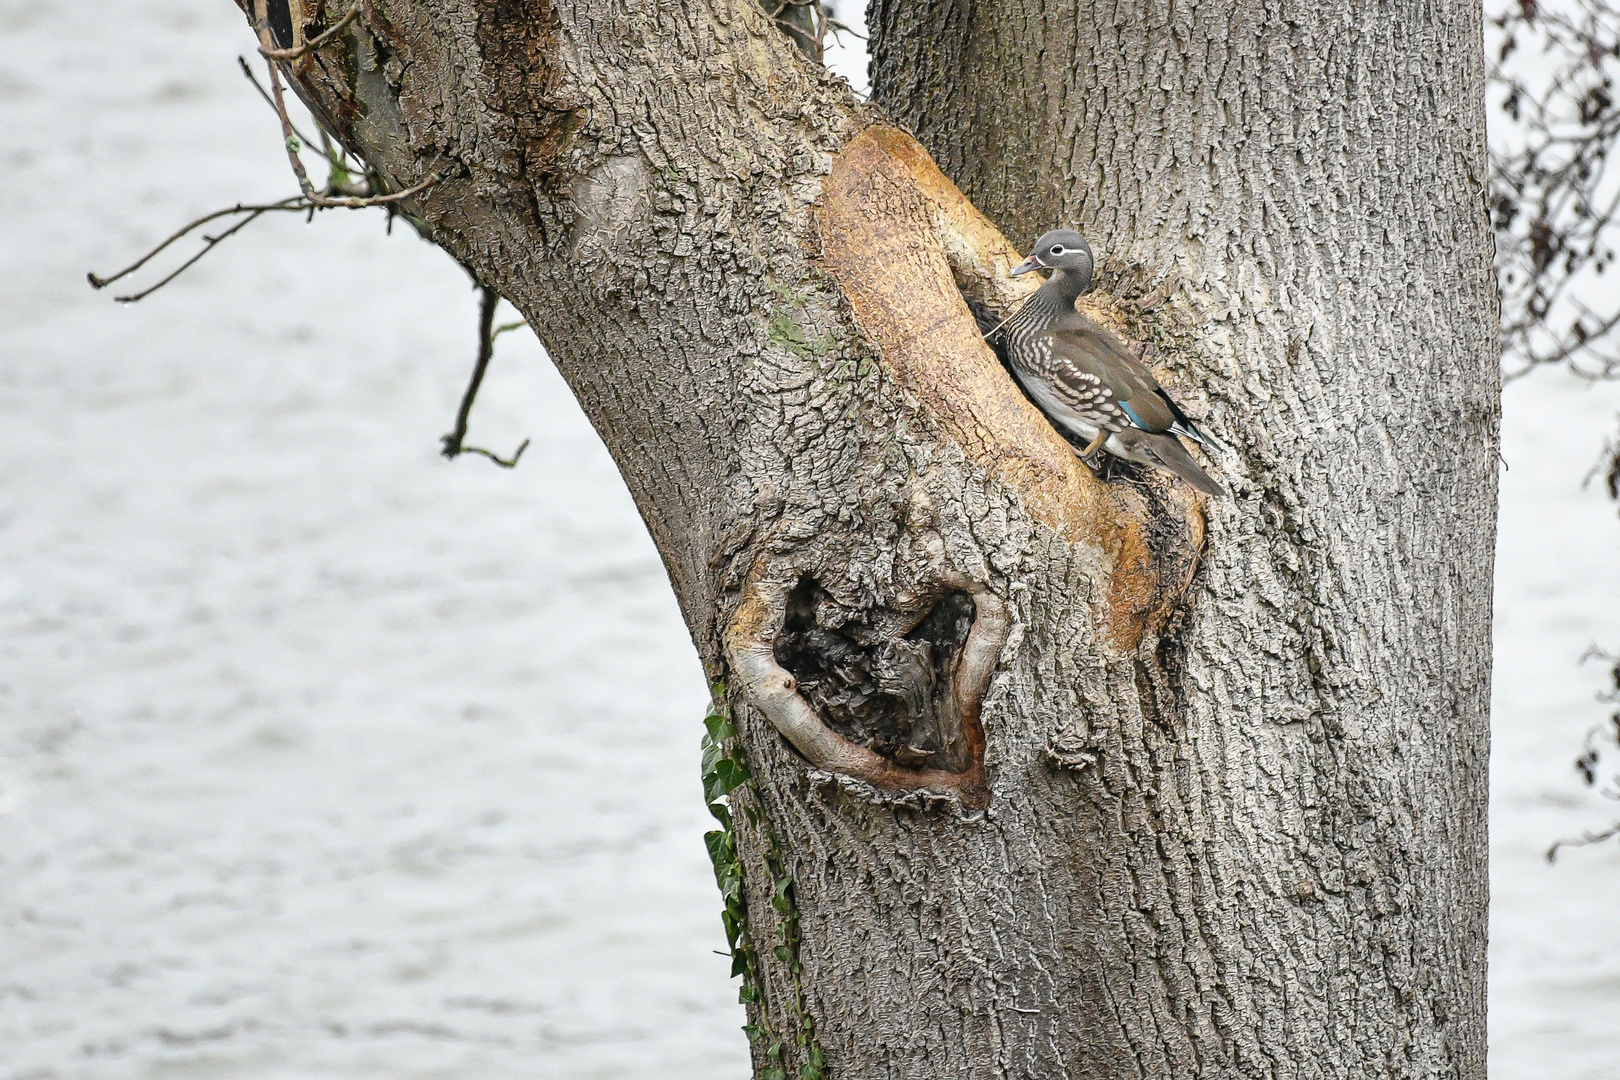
1071 778
1313 176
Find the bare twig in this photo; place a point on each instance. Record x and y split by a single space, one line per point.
315 42
341 191
294 203
212 242
324 202
505 463
338 181
1590 762
453 442
843 28
1583 840
259 86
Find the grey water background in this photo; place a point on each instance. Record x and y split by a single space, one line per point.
323 757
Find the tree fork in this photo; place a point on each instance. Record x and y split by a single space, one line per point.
1172 827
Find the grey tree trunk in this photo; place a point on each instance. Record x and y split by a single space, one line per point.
1069 778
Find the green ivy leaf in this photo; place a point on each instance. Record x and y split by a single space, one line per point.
722 814
722 852
731 773
719 728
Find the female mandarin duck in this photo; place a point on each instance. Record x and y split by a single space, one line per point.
1088 383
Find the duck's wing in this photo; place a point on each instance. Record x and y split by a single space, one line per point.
1098 352
1091 361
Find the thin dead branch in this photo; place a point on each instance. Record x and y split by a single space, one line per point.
1599 742
294 204
453 443
342 191
210 242
315 42
1584 840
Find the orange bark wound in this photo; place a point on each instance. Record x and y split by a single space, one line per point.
892 229
884 209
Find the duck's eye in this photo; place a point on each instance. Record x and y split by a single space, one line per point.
1057 249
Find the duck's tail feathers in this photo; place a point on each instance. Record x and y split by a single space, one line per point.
1166 452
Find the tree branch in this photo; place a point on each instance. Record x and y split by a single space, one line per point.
453 442
1584 840
294 203
294 144
315 42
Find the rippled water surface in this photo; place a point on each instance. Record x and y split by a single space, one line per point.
323 757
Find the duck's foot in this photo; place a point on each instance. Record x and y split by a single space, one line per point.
1114 470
